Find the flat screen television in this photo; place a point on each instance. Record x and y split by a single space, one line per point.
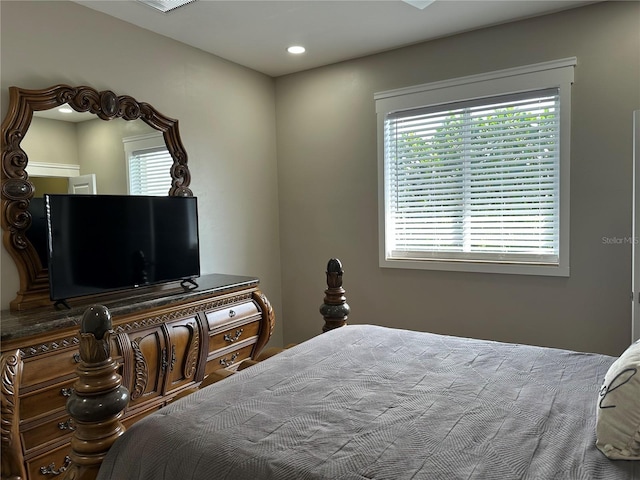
103 243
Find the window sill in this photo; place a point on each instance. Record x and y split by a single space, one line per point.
550 270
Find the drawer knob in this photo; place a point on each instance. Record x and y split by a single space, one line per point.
76 357
227 363
66 392
231 339
68 425
51 468
232 313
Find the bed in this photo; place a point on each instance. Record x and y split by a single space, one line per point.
372 402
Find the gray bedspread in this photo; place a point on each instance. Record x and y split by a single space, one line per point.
367 402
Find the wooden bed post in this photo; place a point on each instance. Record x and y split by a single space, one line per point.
335 309
98 398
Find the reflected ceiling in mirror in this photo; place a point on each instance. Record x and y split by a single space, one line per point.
65 113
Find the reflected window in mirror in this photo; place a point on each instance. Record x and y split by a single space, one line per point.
148 162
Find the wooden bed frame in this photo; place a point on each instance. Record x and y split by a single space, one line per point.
99 398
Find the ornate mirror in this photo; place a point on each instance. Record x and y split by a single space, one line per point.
18 190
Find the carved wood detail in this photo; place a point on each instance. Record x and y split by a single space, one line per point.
11 369
141 370
17 190
266 329
191 361
38 349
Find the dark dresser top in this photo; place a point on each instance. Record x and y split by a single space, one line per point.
14 325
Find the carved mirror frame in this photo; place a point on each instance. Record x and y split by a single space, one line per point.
17 190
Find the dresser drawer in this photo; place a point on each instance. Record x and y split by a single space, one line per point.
235 313
54 429
49 367
51 464
230 359
45 400
233 335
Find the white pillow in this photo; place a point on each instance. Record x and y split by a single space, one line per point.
618 409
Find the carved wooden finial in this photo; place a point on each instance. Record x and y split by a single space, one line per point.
98 399
335 309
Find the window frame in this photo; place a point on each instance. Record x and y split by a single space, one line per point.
554 74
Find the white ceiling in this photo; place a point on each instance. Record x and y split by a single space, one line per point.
256 33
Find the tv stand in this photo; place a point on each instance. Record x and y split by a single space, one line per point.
166 340
188 284
61 303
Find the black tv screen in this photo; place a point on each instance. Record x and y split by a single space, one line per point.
102 243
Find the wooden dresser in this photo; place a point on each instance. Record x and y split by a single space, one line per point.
167 340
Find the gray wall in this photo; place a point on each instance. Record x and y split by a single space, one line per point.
43 133
327 177
219 105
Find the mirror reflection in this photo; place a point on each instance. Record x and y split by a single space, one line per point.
80 144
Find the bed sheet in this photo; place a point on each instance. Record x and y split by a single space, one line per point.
369 402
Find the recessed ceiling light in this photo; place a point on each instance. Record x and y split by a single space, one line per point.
296 49
421 4
165 6
65 110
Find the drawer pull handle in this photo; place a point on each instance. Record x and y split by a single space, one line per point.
231 339
66 392
51 468
68 425
165 360
227 363
76 357
232 313
173 358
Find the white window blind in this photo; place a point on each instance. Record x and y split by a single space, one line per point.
149 172
148 164
476 179
474 172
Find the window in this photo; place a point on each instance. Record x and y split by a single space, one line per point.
148 165
475 172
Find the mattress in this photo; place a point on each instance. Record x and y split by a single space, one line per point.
369 402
